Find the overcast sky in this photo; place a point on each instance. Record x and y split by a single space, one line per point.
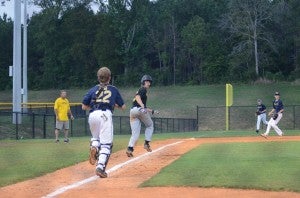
9 9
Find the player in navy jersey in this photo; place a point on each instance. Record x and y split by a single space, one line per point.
261 114
276 114
101 101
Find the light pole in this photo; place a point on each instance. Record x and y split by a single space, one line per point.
17 63
24 92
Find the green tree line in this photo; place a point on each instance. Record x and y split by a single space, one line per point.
175 41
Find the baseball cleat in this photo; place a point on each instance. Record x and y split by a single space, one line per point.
101 173
281 134
93 155
129 152
263 135
57 141
147 147
257 131
66 140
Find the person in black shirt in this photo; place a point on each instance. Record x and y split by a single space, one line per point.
141 113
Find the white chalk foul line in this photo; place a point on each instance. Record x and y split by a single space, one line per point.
114 168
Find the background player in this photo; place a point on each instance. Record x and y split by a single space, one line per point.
141 113
277 115
101 100
62 111
261 114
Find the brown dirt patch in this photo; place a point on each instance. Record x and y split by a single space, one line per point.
124 182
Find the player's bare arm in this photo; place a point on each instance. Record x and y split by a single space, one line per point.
56 114
149 110
71 114
152 111
271 112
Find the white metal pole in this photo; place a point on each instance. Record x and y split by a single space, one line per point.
17 63
25 96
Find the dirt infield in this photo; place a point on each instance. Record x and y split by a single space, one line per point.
124 181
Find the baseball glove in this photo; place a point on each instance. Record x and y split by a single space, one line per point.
258 113
155 112
275 116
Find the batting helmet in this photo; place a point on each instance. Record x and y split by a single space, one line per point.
146 78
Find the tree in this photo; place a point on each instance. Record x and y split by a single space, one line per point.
78 29
175 41
167 31
295 10
194 38
6 50
246 21
62 36
107 44
287 28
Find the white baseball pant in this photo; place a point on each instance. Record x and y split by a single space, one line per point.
273 123
101 127
262 117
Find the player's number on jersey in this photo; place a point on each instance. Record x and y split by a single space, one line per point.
104 96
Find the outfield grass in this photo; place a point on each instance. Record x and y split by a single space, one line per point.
265 165
211 134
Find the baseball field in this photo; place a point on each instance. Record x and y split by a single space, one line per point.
212 164
191 164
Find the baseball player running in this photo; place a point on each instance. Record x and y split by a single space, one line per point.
276 114
261 114
141 113
101 100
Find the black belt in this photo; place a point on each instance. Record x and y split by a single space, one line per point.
100 108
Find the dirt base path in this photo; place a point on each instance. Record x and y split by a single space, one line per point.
124 180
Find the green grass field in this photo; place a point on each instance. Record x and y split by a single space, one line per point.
25 159
267 166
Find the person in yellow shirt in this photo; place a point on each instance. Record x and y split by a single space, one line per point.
62 111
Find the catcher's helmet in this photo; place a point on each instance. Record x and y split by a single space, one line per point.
146 78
